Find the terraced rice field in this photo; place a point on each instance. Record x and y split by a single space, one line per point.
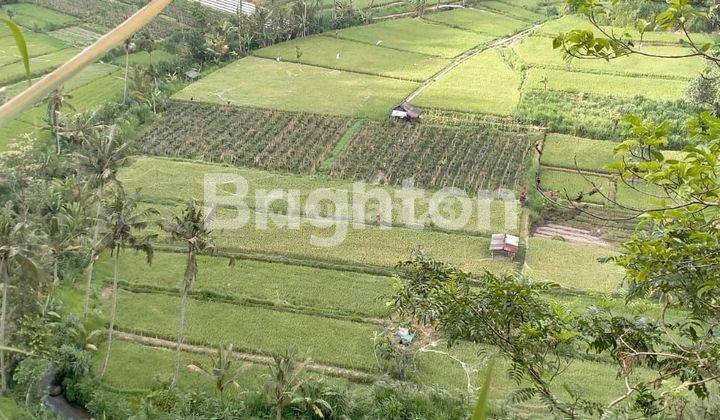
260 283
604 84
295 87
572 185
558 262
333 241
480 21
483 84
570 152
37 18
416 36
179 181
538 52
77 36
341 54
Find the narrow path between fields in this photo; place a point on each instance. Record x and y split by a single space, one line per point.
469 54
351 374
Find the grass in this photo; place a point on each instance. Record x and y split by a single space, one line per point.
342 145
259 330
323 290
137 367
479 21
37 44
341 54
39 65
11 410
573 266
97 92
483 84
571 152
538 51
604 84
416 36
183 180
571 184
13 131
77 36
511 10
37 18
257 82
594 379
641 196
338 242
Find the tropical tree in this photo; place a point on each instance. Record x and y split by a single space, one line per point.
81 127
221 369
189 227
128 46
16 259
122 220
63 220
145 42
283 381
99 159
55 101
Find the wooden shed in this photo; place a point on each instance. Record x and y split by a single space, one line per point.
192 74
405 112
504 244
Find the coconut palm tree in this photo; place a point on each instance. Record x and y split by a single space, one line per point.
80 127
15 254
122 220
189 227
55 101
99 160
63 228
129 46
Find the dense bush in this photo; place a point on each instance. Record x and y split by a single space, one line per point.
600 117
469 158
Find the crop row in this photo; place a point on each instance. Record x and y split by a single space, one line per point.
436 157
267 139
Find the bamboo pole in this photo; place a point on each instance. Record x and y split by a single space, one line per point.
87 56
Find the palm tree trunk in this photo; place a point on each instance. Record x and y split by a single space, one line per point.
189 277
91 266
3 315
113 311
127 67
56 268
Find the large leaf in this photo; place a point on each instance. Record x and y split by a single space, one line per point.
480 411
21 44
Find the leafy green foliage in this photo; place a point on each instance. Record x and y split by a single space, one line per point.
266 139
20 43
437 157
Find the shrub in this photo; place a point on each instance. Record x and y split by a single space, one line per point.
600 116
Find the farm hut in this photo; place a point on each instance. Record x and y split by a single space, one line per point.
405 112
504 244
192 74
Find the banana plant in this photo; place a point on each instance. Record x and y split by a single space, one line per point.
21 44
